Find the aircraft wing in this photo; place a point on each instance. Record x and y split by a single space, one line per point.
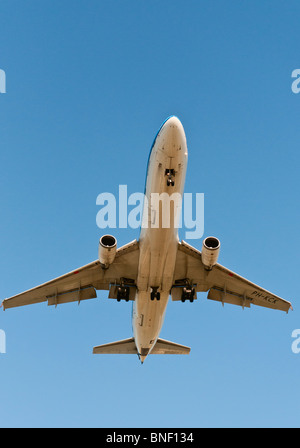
82 283
222 284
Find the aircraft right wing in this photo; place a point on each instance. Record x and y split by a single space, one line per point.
222 284
82 283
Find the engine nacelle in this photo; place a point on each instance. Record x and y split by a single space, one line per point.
210 252
107 250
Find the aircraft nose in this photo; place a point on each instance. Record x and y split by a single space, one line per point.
173 125
172 136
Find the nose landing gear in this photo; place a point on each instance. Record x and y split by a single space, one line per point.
154 293
170 173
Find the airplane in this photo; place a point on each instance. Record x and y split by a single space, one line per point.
149 270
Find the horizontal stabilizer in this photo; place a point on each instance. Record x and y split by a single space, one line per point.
163 347
126 346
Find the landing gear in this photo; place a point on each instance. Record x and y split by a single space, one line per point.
123 293
188 293
155 294
171 174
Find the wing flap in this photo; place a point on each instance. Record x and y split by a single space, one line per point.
75 295
223 296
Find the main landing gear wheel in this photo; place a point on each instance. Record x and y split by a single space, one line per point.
188 293
123 293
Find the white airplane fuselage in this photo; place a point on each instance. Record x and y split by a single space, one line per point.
158 240
148 271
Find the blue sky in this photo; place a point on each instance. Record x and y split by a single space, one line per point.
88 85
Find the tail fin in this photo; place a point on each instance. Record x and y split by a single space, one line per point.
126 346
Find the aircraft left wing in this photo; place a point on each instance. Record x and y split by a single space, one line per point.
222 284
82 283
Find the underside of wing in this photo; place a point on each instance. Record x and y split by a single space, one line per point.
222 284
82 283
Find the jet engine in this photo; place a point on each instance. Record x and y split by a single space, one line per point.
107 250
210 252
